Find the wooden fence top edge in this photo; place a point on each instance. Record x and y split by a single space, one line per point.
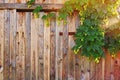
23 6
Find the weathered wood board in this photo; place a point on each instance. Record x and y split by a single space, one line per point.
31 50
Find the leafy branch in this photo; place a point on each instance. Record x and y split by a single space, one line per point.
90 37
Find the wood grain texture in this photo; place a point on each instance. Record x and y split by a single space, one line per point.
46 52
71 60
21 46
30 50
58 54
98 71
12 41
37 24
92 70
65 52
52 48
57 50
1 43
23 6
13 31
77 57
33 48
41 49
28 46
107 66
71 55
7 45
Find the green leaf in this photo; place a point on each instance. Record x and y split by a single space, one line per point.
44 17
30 3
37 9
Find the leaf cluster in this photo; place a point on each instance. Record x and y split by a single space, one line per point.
36 11
90 37
30 3
48 16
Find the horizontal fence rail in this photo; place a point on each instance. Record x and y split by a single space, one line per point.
23 6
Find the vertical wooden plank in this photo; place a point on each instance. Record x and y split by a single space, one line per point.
52 48
112 67
58 53
1 43
28 46
17 49
71 55
107 66
21 46
98 71
71 60
32 47
46 52
86 67
21 43
60 59
92 70
41 49
34 51
77 59
87 73
2 19
65 51
37 24
12 44
116 74
81 66
7 46
57 41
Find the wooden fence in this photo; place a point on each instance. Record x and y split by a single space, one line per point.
29 50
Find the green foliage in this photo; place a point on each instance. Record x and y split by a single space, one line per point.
90 37
30 3
47 17
36 11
